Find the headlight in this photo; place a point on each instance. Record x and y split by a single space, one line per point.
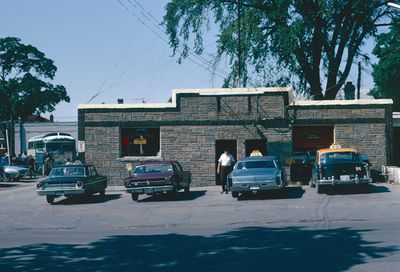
168 180
79 185
39 186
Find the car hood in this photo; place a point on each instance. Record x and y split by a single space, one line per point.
14 167
150 176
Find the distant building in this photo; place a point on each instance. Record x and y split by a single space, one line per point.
198 124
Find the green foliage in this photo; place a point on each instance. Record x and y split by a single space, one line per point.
25 73
312 42
386 72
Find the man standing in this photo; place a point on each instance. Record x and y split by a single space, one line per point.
225 165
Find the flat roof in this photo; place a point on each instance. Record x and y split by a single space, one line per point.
201 92
342 102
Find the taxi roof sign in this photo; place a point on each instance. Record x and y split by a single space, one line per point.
256 153
335 146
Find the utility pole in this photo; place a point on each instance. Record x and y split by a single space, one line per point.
359 81
239 49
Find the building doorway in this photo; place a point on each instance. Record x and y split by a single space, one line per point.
396 145
220 147
252 145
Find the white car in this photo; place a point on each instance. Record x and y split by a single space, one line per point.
13 172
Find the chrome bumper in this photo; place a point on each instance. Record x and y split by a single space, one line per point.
240 188
334 182
149 190
60 191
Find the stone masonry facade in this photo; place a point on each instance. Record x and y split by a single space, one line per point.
196 119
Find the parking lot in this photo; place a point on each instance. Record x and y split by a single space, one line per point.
205 227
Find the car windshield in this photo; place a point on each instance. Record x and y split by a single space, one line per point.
255 164
153 168
67 172
333 157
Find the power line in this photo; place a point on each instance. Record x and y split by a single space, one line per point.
221 73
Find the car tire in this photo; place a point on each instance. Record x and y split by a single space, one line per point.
135 196
235 194
320 189
7 177
174 193
102 193
50 199
186 190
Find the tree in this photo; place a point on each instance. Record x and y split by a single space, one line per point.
386 73
25 87
315 41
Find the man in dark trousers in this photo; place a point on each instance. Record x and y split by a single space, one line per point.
31 166
225 166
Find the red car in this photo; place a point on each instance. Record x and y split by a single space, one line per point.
157 178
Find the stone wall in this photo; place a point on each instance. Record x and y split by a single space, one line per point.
188 132
363 126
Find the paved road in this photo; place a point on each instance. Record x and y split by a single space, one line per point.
298 230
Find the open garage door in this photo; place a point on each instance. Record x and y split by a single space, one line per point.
306 140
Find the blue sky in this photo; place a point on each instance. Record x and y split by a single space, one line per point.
102 47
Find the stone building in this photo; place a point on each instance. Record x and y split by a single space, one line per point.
199 124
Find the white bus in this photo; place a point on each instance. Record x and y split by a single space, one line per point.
51 149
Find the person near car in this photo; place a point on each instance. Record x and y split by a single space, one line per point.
31 166
225 166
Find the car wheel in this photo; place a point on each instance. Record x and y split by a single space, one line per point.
187 190
320 189
50 199
102 192
364 188
173 193
135 196
7 177
235 194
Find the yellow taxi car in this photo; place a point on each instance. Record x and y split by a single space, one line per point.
337 166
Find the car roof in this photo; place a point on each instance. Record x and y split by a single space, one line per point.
258 158
72 165
336 150
156 162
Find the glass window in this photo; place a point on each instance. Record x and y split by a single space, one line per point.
256 164
339 156
153 168
140 141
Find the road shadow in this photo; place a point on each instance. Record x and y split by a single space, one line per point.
7 185
246 249
92 199
292 192
354 189
180 196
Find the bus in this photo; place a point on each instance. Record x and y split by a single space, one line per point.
51 149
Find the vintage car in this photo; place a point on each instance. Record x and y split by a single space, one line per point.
301 165
157 178
254 174
12 172
72 179
336 166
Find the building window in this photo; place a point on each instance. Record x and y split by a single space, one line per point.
140 142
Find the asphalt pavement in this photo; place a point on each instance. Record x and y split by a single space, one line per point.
296 230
